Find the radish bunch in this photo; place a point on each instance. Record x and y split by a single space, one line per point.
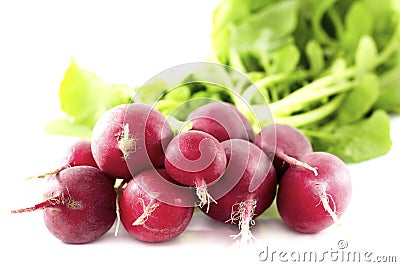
139 173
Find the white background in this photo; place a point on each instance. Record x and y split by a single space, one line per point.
129 42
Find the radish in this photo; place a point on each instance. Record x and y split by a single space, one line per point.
77 154
309 203
129 139
222 120
195 159
144 212
79 204
284 144
247 188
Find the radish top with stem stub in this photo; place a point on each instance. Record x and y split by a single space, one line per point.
129 139
126 143
79 205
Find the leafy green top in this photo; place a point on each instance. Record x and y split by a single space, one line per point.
329 68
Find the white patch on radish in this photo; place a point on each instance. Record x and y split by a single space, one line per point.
325 198
203 195
147 210
242 214
69 201
126 143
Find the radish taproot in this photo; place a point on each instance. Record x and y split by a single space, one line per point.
152 209
129 139
79 153
79 204
284 144
222 120
247 188
309 203
196 159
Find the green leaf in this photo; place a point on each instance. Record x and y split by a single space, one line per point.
356 142
315 56
360 100
320 9
338 70
151 91
285 59
358 23
179 94
84 97
267 30
389 94
68 127
366 54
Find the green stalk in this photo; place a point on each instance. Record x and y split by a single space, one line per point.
271 80
390 48
314 115
296 102
323 82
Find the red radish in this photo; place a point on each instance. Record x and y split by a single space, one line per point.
129 139
247 188
195 159
309 203
79 205
78 154
146 216
222 120
284 144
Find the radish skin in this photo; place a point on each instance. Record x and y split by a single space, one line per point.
196 159
309 203
79 204
246 190
222 120
129 139
284 144
146 216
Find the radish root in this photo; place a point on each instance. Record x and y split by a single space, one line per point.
325 198
44 175
242 214
117 209
53 201
126 144
203 195
147 210
296 162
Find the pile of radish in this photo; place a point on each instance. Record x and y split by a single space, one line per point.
139 173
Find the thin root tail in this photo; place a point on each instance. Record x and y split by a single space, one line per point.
296 162
242 214
204 197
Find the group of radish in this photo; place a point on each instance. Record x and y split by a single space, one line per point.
139 172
